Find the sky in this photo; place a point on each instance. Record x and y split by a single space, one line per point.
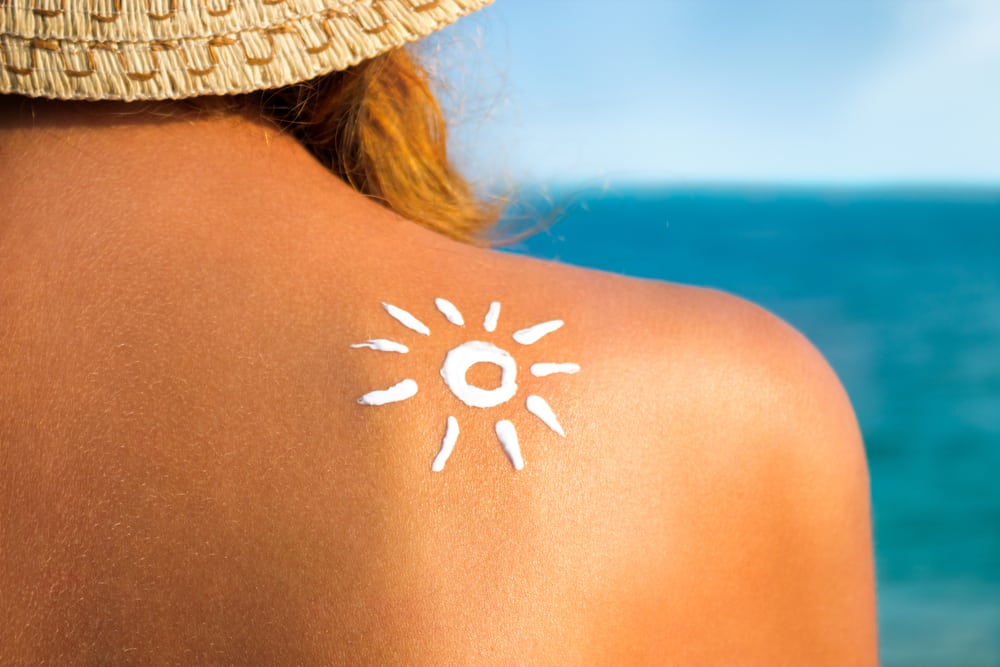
787 91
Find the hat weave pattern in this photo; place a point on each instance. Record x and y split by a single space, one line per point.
170 49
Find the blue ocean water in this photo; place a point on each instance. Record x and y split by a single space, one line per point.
900 289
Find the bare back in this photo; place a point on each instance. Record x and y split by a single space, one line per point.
188 475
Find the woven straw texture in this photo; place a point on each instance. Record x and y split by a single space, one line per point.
169 49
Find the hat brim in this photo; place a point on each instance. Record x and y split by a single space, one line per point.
171 49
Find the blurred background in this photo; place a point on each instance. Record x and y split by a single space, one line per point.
836 162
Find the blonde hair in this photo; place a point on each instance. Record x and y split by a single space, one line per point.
378 126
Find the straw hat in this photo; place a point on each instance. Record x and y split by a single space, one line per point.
168 49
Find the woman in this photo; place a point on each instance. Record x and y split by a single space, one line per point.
250 413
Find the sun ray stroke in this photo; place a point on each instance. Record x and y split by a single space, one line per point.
383 345
398 392
406 319
507 435
490 322
545 368
451 313
539 407
447 445
533 334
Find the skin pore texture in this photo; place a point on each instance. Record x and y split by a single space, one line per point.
188 477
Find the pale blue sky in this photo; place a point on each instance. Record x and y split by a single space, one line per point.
856 91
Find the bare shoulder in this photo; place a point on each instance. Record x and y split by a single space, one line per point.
701 343
744 444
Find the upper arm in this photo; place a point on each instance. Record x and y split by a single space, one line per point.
813 494
749 520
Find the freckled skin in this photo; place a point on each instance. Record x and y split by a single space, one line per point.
187 477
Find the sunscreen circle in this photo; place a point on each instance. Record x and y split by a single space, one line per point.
460 359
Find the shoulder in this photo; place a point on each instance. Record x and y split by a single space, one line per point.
741 436
702 341
711 362
774 429
690 355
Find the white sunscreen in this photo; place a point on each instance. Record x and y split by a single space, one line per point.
397 392
450 312
543 369
454 371
447 446
406 319
383 345
508 440
460 359
540 408
534 333
490 323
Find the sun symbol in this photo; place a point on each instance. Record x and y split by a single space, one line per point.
456 364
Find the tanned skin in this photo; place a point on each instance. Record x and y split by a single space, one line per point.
186 476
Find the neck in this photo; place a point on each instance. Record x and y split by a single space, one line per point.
192 147
91 156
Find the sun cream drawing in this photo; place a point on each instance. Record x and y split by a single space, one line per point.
383 345
456 365
541 370
397 392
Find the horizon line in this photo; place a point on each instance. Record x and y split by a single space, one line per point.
604 184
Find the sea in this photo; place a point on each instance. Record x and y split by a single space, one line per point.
900 288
